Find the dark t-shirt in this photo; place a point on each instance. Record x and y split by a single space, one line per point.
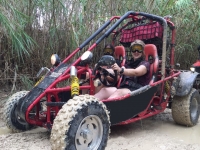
144 79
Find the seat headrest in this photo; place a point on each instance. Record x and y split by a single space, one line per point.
150 51
119 51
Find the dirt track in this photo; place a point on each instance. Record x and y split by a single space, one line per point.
156 133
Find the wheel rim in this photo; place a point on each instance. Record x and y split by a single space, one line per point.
89 133
194 108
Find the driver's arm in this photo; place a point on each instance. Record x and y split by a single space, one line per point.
139 71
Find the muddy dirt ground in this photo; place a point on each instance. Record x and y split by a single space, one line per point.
155 133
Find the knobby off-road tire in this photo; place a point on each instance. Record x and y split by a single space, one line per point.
185 110
9 115
83 123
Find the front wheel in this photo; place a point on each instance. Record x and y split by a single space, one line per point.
185 110
83 123
9 115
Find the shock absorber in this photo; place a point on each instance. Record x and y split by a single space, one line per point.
74 82
167 86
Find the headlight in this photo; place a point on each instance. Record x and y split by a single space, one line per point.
86 58
192 69
55 60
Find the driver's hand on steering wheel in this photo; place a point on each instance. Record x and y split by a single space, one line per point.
116 67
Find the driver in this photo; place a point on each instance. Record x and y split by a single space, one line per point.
135 74
108 50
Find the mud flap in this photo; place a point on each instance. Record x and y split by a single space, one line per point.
184 83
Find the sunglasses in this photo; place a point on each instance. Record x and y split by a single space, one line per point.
136 48
108 51
134 51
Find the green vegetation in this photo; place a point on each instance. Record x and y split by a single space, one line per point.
30 30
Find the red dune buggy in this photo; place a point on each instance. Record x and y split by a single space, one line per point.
82 122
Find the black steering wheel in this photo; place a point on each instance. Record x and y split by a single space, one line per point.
103 74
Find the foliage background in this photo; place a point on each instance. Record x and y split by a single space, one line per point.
31 30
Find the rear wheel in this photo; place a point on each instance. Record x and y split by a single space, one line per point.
9 115
82 123
185 110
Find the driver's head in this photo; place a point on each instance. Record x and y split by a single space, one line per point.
137 49
108 50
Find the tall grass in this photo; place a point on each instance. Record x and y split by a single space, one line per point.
30 31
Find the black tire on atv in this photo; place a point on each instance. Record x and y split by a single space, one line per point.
9 116
82 123
185 110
